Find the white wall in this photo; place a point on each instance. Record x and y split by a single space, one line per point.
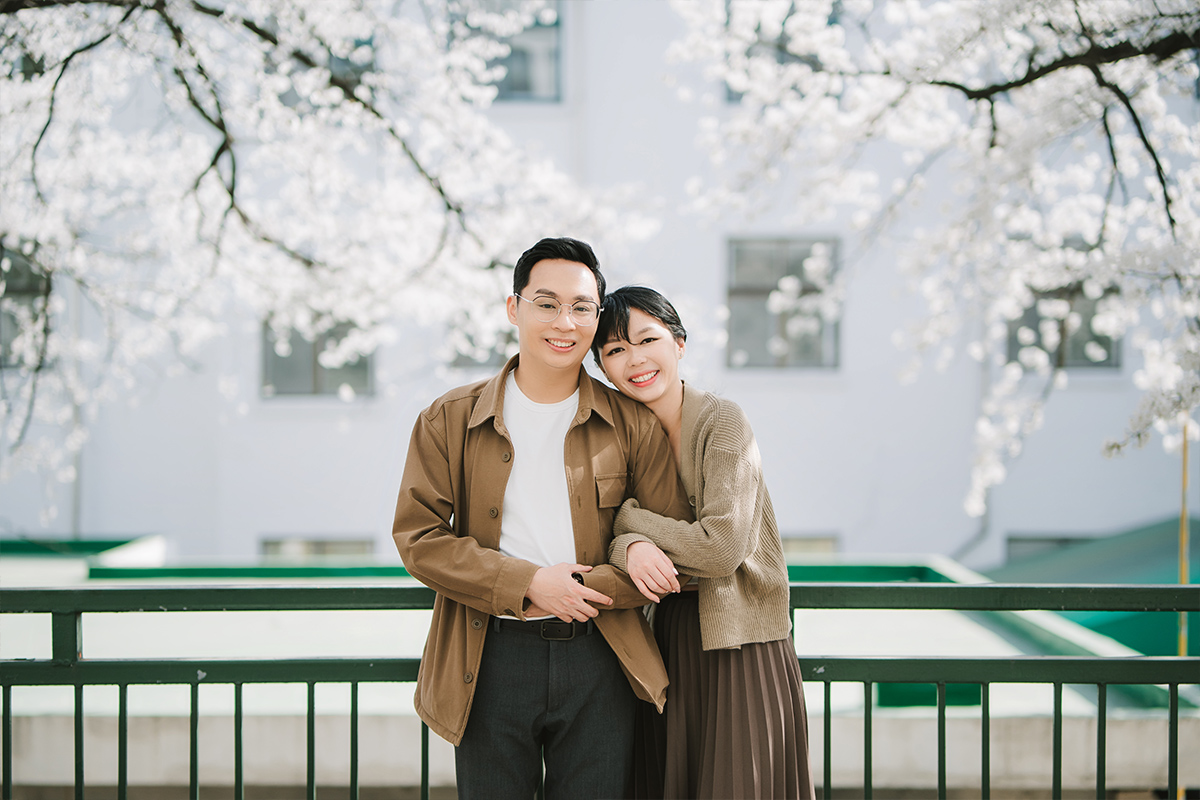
851 451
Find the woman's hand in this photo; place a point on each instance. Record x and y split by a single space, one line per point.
651 570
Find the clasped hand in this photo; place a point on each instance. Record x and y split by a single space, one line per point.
651 570
554 591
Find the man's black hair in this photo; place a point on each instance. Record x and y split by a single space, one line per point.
563 248
614 320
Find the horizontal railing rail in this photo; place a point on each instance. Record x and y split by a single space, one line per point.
897 595
68 666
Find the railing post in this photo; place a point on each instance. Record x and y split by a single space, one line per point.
312 741
1056 779
66 637
985 757
1101 741
1173 744
79 741
424 761
194 743
7 757
239 786
354 740
122 741
941 696
828 788
868 692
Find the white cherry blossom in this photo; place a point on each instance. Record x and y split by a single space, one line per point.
1068 131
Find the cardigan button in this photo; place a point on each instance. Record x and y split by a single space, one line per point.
692 500
492 512
505 457
468 677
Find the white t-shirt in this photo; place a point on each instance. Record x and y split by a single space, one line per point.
536 524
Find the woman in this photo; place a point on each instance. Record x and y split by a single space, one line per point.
734 723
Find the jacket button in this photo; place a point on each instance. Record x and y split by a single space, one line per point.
476 623
467 677
492 512
692 500
506 457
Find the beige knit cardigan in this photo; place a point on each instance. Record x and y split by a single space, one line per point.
733 547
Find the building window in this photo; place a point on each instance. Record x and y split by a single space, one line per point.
293 366
532 65
28 66
781 312
797 547
347 62
300 549
471 354
778 49
24 292
1060 325
356 62
1019 547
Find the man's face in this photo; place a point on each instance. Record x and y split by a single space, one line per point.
561 343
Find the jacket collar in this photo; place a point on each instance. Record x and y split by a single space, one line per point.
592 398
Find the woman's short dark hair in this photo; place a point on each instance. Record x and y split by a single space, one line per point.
563 248
614 320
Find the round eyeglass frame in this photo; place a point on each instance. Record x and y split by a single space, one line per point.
540 316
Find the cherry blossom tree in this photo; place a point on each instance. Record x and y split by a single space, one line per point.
320 163
1063 137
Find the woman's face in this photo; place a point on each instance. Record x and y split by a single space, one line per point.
646 366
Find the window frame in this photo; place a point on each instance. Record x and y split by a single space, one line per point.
1062 356
503 96
268 389
779 48
278 549
828 337
32 291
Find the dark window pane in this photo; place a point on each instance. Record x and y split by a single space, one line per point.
299 372
1080 347
23 299
774 316
533 63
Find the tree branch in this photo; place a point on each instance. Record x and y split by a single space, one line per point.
1096 55
13 6
66 62
347 88
1159 172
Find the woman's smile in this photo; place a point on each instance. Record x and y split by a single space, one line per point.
645 366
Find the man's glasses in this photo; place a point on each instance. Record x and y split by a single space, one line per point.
546 309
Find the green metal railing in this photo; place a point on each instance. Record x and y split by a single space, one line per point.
68 667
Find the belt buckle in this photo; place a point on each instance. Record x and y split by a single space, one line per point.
570 625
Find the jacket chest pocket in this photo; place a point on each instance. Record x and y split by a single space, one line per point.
610 489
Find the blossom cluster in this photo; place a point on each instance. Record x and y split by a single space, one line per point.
1033 166
316 164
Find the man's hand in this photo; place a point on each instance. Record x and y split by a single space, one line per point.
651 570
554 591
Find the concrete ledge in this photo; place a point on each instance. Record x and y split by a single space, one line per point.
904 754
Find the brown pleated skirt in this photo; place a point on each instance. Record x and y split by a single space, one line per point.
734 725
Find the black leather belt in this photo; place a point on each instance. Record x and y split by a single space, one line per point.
552 630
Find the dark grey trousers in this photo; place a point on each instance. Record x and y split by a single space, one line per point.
567 703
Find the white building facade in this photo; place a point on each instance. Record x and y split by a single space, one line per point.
251 457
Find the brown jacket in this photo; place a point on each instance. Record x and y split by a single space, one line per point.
447 529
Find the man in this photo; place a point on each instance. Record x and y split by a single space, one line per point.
537 647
